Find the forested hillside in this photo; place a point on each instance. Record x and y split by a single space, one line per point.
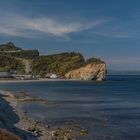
24 61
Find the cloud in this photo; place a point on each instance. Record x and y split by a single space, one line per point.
31 27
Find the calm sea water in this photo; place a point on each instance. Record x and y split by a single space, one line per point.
108 110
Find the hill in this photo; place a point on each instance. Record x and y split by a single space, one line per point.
25 61
8 64
61 63
14 58
9 49
10 46
57 63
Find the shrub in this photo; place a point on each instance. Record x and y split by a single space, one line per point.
58 63
9 63
28 54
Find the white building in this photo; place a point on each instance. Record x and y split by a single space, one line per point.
51 76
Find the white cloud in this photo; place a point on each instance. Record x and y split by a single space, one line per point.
30 27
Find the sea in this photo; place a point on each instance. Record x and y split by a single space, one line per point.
108 110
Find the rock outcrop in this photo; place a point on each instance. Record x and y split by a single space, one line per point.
5 135
92 71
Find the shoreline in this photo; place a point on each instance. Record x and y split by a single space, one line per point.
16 121
38 80
32 129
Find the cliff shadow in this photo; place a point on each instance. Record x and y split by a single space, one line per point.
8 119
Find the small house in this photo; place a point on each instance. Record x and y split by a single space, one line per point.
51 76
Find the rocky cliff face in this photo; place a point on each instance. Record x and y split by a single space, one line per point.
92 71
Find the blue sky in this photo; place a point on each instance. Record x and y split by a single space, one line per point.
107 29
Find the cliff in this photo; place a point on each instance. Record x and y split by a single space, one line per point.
91 71
70 65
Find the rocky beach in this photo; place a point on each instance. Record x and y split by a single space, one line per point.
15 122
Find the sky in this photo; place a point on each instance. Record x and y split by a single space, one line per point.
106 29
